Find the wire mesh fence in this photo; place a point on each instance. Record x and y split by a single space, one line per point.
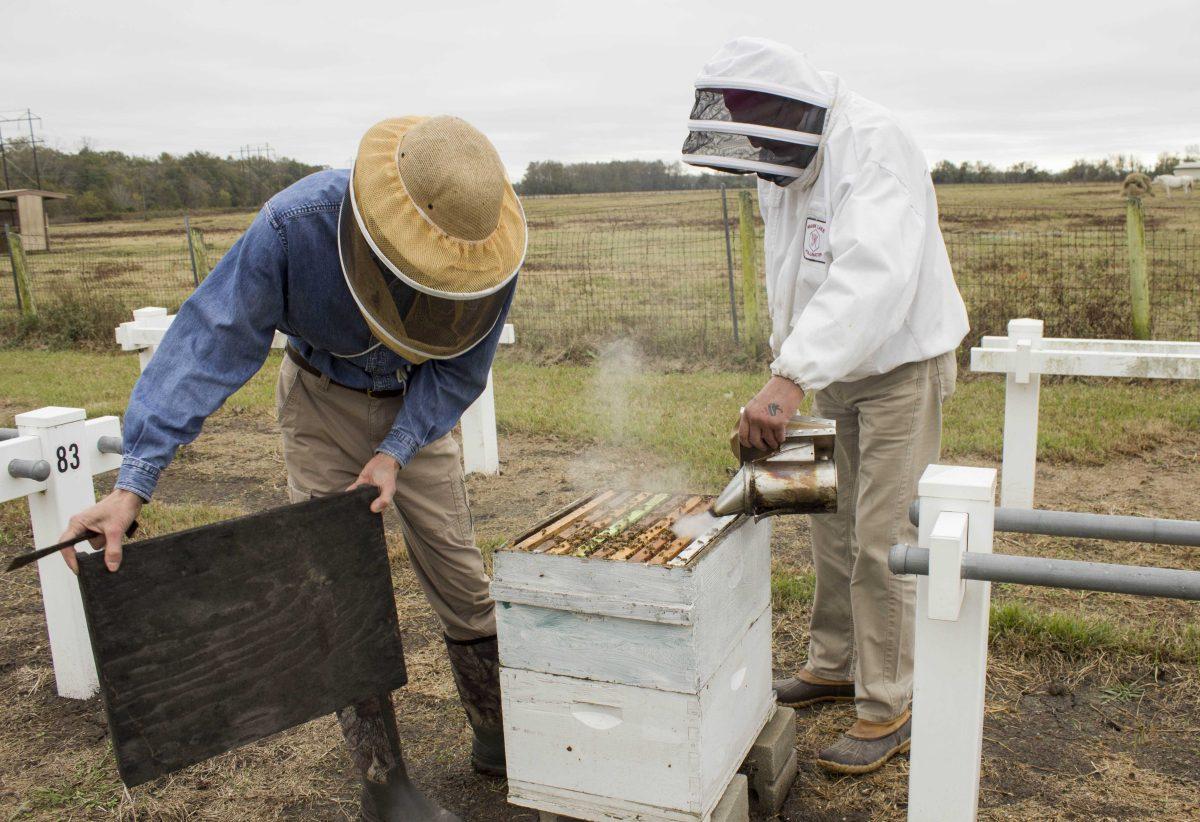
667 273
132 278
657 273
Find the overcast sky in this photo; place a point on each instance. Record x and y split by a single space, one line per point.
1045 81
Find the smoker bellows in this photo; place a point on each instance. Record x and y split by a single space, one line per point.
635 664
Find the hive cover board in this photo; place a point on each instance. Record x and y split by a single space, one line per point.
214 637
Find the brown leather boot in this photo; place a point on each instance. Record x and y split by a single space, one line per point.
476 666
388 795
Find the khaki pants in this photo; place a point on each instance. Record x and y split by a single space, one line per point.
889 429
330 433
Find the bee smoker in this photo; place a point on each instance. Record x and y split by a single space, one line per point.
798 478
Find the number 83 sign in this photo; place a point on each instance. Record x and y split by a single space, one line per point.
68 457
75 448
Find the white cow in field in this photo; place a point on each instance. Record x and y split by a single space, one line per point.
1171 181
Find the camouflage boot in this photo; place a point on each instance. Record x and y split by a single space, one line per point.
369 727
476 665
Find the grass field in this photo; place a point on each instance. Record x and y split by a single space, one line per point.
1092 698
653 266
1049 206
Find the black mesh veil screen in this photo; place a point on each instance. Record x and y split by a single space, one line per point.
420 323
749 131
758 108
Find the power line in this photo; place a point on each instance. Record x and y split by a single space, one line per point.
262 151
29 118
255 159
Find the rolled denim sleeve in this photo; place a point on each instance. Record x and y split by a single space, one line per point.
218 340
439 392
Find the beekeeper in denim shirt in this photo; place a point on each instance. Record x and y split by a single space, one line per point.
391 282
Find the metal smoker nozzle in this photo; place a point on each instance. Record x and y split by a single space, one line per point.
733 499
781 486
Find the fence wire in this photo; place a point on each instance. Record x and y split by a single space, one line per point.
658 273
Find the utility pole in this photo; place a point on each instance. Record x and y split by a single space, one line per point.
252 155
4 161
28 118
37 171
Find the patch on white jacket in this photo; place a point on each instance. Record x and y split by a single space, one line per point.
816 244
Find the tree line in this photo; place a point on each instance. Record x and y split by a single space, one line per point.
111 183
553 177
1107 170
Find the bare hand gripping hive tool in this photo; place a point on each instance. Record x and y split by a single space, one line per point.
33 556
800 477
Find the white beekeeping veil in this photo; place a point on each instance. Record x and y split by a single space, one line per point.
760 108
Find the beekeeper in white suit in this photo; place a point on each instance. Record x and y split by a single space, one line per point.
865 318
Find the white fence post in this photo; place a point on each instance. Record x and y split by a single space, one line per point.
957 509
481 453
62 438
144 333
1022 393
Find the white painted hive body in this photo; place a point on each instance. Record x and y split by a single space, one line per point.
634 690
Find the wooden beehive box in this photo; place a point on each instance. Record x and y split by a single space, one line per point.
635 663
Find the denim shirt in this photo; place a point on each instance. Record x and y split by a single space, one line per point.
284 274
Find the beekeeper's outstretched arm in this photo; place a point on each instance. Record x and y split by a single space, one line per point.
876 239
875 242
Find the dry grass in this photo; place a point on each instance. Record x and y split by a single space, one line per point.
1095 729
652 266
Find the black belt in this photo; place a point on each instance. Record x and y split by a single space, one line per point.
304 365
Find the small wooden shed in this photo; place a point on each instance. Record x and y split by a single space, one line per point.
27 215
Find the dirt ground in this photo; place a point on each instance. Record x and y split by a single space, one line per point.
1090 736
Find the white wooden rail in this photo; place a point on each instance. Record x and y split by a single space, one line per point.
480 451
957 506
1024 355
953 560
70 445
145 332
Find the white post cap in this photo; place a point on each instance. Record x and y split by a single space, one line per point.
51 416
958 482
1025 329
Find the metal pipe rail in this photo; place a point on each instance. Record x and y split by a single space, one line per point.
110 445
1057 573
1090 526
39 470
36 470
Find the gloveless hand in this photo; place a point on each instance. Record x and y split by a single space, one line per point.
764 419
111 518
380 472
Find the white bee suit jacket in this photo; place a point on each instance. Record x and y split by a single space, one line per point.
858 279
